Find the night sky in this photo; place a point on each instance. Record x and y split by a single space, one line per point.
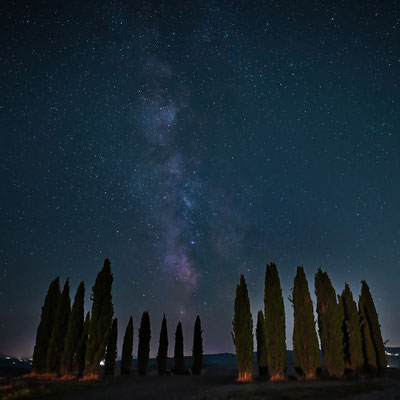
191 142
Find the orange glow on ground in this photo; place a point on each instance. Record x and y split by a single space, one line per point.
277 378
245 377
90 377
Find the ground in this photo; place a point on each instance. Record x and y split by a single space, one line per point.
217 383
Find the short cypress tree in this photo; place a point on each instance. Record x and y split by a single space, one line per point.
127 348
111 354
79 362
274 323
144 343
330 324
74 331
57 340
179 360
162 355
262 358
367 303
45 327
352 333
100 320
307 358
367 344
242 334
197 351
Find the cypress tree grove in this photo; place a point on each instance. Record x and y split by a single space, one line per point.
197 351
74 331
111 354
262 358
57 340
127 348
307 358
79 362
144 343
45 327
179 360
367 343
274 323
100 321
330 324
352 333
162 355
242 334
367 303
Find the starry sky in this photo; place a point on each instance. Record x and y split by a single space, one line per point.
191 142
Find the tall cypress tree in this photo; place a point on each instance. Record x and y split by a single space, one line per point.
197 351
179 360
367 303
307 358
262 358
367 343
144 343
242 334
352 332
101 319
162 355
330 324
45 327
57 340
74 331
127 348
274 323
111 354
79 362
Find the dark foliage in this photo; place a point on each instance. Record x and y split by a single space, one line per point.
144 343
197 351
45 327
179 360
262 357
111 354
127 348
162 355
79 362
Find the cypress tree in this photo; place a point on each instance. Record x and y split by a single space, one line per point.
367 303
179 360
57 340
307 358
367 343
197 351
330 324
144 343
101 319
242 334
111 354
74 331
127 348
274 323
262 358
352 332
162 355
79 362
45 327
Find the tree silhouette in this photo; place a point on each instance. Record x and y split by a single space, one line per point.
127 348
354 358
262 358
179 360
369 311
162 355
101 319
197 351
330 324
274 323
44 330
74 331
111 354
242 334
57 340
307 358
79 362
144 343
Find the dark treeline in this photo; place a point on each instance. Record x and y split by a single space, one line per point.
70 344
351 339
